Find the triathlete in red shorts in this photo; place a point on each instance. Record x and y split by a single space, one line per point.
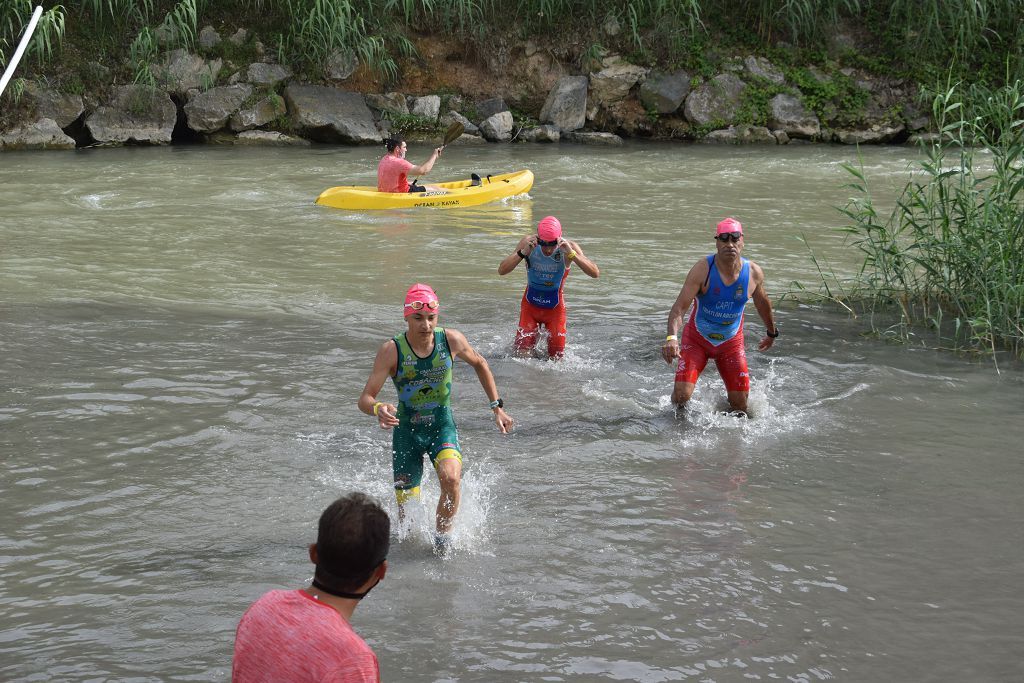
720 285
548 258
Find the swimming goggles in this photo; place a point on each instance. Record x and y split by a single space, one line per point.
419 305
729 237
546 243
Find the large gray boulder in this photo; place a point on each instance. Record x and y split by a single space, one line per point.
882 109
340 65
331 115
260 114
490 107
428 107
497 128
715 102
455 117
267 75
880 119
873 135
759 67
592 138
182 71
209 111
135 113
789 114
208 38
42 134
613 83
741 135
390 103
467 139
50 104
544 133
566 104
664 93
269 138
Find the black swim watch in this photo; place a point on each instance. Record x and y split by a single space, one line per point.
520 254
773 336
497 404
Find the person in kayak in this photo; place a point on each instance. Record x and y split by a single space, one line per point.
419 362
721 283
304 635
548 259
393 170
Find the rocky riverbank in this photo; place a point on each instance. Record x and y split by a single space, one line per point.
521 93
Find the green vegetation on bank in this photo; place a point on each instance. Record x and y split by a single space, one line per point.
908 37
950 256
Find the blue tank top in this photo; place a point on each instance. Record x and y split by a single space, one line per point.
719 312
544 277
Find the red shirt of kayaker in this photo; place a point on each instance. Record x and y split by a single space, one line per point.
393 174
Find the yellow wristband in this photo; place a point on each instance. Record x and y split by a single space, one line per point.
376 406
571 255
671 337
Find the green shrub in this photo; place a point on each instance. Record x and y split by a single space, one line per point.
949 255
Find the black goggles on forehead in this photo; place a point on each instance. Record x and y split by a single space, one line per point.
729 237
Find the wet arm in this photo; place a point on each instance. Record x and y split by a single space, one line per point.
425 167
764 308
384 366
509 263
460 347
694 281
691 288
581 259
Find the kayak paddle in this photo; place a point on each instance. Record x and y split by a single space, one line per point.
453 133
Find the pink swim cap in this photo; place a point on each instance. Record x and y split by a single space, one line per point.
729 225
421 297
549 229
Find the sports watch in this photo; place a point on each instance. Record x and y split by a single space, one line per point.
773 336
497 404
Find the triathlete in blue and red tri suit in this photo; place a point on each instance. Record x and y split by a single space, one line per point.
721 284
548 259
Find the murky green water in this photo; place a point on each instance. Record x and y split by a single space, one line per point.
184 337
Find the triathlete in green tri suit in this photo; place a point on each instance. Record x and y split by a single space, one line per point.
419 362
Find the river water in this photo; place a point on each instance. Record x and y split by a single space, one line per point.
184 336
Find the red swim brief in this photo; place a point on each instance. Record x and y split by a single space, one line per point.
531 317
730 358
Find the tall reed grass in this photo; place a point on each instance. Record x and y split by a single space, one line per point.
955 30
951 254
314 29
48 36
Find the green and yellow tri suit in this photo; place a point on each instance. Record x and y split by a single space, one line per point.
425 423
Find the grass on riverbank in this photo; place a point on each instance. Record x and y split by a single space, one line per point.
950 256
976 37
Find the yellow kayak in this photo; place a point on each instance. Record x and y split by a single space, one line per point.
459 193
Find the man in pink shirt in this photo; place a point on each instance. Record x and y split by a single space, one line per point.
393 170
304 635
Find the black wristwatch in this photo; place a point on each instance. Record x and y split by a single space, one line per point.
773 336
520 254
497 404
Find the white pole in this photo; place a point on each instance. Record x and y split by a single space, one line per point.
21 48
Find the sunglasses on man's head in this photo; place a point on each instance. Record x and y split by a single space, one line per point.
729 236
546 243
418 305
